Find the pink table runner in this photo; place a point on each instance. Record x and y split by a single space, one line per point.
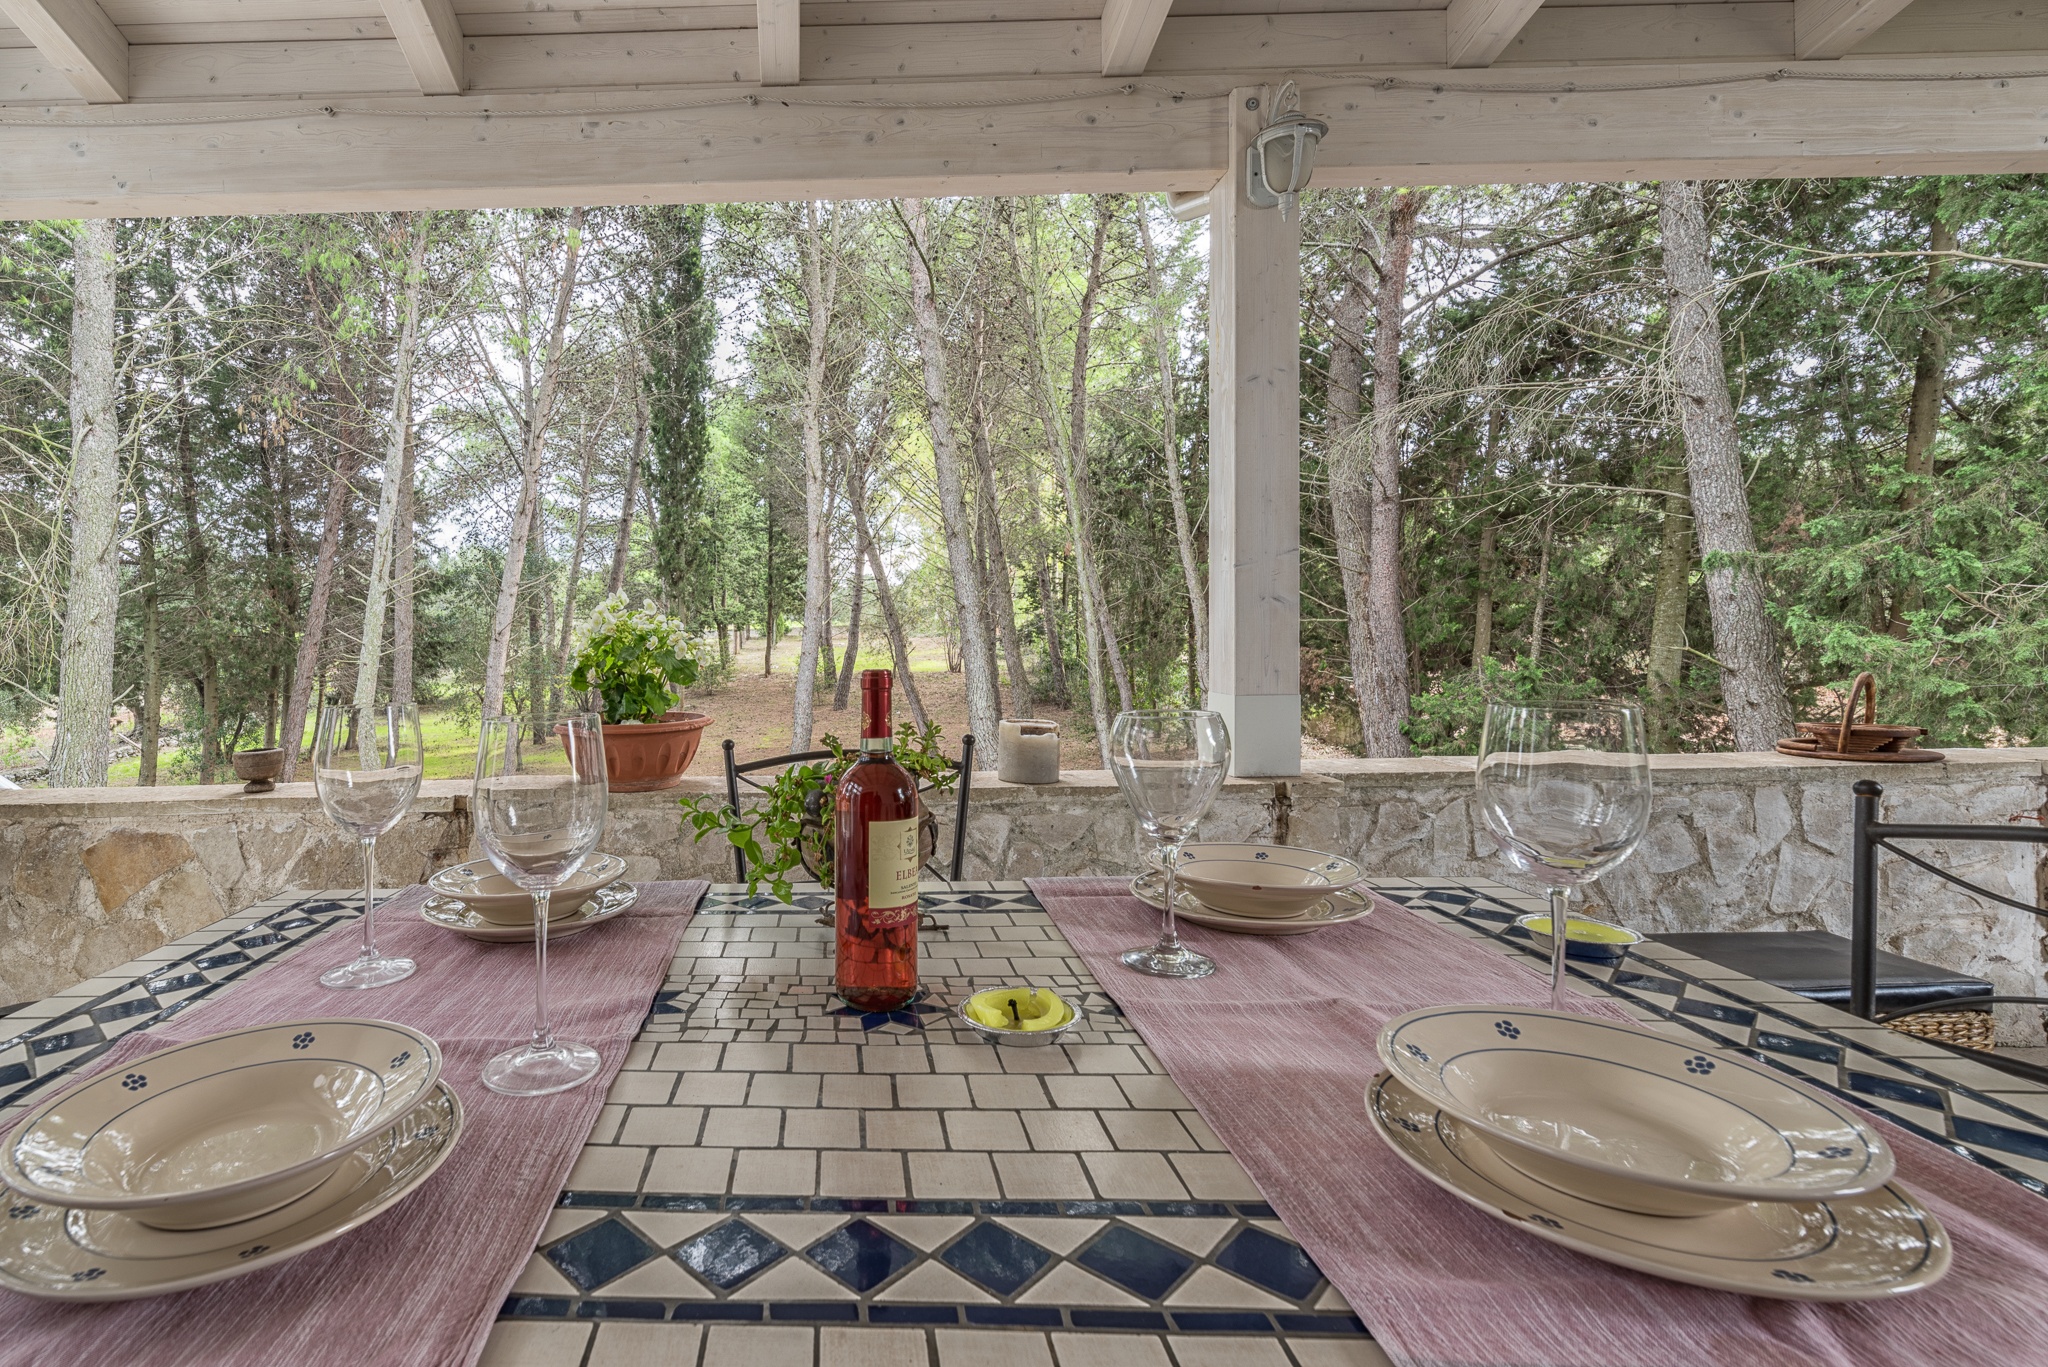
421 1283
1276 1050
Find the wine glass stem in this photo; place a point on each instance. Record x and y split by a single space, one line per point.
543 1034
1169 932
1560 933
369 950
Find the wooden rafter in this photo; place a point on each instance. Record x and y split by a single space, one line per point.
1832 28
430 36
1476 32
1130 29
781 41
78 38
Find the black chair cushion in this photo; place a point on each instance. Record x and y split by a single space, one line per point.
1815 964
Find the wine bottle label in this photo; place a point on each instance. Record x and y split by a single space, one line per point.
892 865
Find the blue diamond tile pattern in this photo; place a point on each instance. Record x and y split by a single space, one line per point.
1275 1264
861 1255
999 1259
594 1256
728 1254
1136 1262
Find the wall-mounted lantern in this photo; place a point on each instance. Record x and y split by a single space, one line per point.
1282 157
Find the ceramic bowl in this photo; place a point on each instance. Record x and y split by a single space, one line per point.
1585 939
497 899
1630 1119
1263 880
223 1128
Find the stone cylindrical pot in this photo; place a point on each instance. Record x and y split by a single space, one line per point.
640 757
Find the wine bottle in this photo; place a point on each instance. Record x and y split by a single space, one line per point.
874 863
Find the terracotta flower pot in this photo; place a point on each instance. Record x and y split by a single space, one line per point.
640 757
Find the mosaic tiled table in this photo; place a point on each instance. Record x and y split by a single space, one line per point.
779 1180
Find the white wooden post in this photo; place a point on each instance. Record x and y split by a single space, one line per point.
1254 465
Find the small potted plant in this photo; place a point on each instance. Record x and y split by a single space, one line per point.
636 659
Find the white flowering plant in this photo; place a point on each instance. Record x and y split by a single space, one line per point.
635 659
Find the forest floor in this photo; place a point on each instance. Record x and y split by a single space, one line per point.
751 707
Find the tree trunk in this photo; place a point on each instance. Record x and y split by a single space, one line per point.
1542 588
565 638
622 546
370 659
982 708
308 669
821 283
1350 478
1166 349
1482 608
899 646
92 599
1082 490
1002 592
540 413
768 595
1923 413
1667 619
199 570
1387 679
149 715
846 663
402 570
1745 640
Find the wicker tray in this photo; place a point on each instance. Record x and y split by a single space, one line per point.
1970 1029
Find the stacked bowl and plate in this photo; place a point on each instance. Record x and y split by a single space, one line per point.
1649 1151
209 1159
476 901
1251 889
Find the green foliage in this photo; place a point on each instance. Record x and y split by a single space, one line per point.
681 331
1448 717
796 818
635 659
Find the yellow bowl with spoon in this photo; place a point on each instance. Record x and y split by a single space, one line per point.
1026 1016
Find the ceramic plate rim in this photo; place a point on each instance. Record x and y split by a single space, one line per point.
1336 880
1934 1266
1879 1167
12 1175
1297 924
88 1291
596 859
591 913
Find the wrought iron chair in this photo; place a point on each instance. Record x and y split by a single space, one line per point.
736 774
1854 973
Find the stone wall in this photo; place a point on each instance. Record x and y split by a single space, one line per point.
91 878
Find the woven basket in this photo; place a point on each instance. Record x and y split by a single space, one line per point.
1853 740
1970 1029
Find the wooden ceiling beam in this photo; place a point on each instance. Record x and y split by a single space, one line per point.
716 143
1825 29
1476 32
78 39
780 25
1130 29
430 36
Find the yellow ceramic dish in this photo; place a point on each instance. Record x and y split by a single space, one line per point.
1018 1008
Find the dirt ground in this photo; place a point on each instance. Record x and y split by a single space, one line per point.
754 709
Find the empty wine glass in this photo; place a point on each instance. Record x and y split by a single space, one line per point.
1169 764
1565 789
539 812
367 763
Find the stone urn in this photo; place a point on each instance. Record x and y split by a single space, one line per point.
258 769
640 757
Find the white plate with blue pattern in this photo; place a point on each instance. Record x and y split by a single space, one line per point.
448 913
81 1255
223 1128
1869 1247
1264 880
1633 1119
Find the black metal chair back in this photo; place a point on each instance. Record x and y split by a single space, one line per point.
736 774
1871 835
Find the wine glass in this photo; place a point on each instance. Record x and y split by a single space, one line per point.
367 763
1565 789
1169 764
539 814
